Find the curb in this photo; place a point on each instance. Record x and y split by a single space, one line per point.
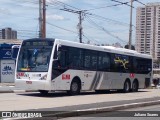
23 91
17 91
6 91
101 110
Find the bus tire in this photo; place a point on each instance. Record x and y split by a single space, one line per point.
43 92
127 86
75 87
135 86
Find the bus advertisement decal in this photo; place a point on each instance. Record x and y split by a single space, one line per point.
65 76
20 74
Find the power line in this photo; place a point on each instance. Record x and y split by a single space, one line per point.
140 2
99 17
84 12
106 31
80 13
62 3
104 7
125 3
107 19
90 39
61 28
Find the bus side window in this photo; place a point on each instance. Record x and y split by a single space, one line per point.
93 60
75 58
104 61
87 60
62 59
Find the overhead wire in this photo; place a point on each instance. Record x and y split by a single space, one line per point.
62 28
140 2
106 31
57 3
104 7
107 19
61 3
126 3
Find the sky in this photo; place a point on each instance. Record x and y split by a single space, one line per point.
103 23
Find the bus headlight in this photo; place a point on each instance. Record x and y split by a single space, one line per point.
43 77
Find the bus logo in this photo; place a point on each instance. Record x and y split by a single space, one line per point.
65 76
28 82
8 53
132 75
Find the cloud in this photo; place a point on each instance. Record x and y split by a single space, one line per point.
55 17
4 11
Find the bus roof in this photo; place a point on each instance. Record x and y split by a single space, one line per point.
110 49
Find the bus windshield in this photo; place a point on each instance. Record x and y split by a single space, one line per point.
34 58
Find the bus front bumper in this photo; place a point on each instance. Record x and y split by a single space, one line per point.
32 85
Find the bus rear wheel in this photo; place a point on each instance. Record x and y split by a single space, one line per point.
74 88
43 92
135 86
126 87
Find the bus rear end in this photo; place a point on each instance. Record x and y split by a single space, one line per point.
33 64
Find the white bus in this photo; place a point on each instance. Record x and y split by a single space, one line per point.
59 65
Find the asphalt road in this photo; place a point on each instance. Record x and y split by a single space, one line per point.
142 113
63 102
59 102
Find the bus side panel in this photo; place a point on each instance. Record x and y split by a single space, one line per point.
63 81
116 80
141 80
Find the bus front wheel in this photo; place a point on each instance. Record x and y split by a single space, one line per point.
74 88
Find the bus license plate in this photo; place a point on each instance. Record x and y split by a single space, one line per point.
28 82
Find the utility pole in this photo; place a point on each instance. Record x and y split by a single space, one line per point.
130 28
80 21
42 18
80 26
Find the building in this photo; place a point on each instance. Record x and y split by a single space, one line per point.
7 63
148 30
8 33
11 41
